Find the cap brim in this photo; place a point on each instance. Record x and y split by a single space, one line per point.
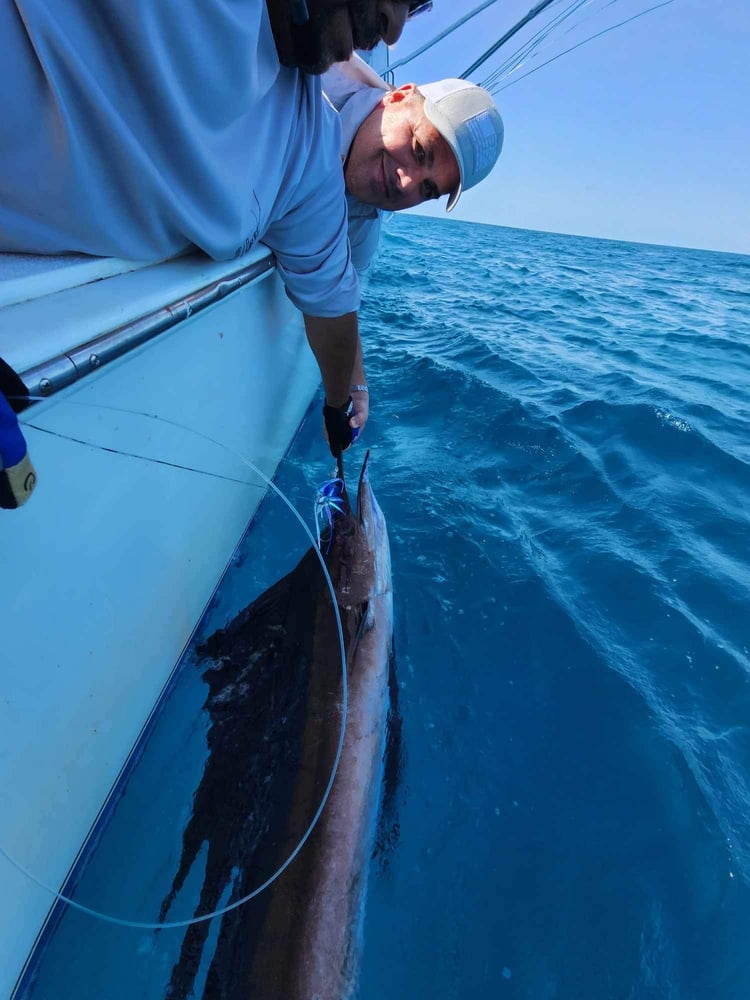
443 126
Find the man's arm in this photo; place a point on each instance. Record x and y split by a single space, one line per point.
337 347
335 343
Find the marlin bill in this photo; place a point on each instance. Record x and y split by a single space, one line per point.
274 702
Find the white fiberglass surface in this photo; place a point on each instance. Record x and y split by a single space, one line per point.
132 870
26 276
108 568
48 312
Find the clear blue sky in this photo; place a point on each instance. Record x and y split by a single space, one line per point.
643 134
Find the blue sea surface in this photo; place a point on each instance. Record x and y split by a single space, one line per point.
560 435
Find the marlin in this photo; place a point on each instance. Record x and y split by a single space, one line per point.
275 706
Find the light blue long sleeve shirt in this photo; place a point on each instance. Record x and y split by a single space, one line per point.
135 128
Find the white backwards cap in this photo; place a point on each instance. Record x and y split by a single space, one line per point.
467 118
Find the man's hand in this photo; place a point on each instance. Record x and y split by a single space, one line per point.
342 424
338 429
361 401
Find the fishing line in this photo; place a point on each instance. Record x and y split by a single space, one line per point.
133 454
443 34
590 38
148 925
532 46
534 12
535 46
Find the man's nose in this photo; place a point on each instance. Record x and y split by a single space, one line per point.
408 180
392 14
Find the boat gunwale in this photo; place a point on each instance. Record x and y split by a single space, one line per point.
68 367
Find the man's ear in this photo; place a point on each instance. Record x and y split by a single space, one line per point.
401 94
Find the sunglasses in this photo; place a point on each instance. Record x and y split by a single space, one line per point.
418 7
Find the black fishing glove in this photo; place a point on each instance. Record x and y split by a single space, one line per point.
340 434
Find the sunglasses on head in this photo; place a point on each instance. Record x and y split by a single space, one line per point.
418 7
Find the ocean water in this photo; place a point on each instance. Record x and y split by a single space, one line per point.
560 439
561 435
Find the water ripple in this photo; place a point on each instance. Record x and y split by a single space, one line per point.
564 453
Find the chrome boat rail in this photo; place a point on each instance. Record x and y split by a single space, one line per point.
63 370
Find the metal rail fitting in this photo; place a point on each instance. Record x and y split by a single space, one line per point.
65 369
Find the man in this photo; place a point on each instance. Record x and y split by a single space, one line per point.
137 128
406 146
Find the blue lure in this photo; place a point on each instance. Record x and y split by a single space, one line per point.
329 503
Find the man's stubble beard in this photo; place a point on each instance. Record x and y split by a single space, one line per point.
331 23
312 47
365 23
299 46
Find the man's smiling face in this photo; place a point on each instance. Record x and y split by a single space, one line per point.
398 158
334 29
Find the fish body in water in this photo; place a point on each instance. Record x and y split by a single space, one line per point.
275 704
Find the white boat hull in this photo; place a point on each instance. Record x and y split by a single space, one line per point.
109 566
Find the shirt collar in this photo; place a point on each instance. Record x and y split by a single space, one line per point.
355 90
